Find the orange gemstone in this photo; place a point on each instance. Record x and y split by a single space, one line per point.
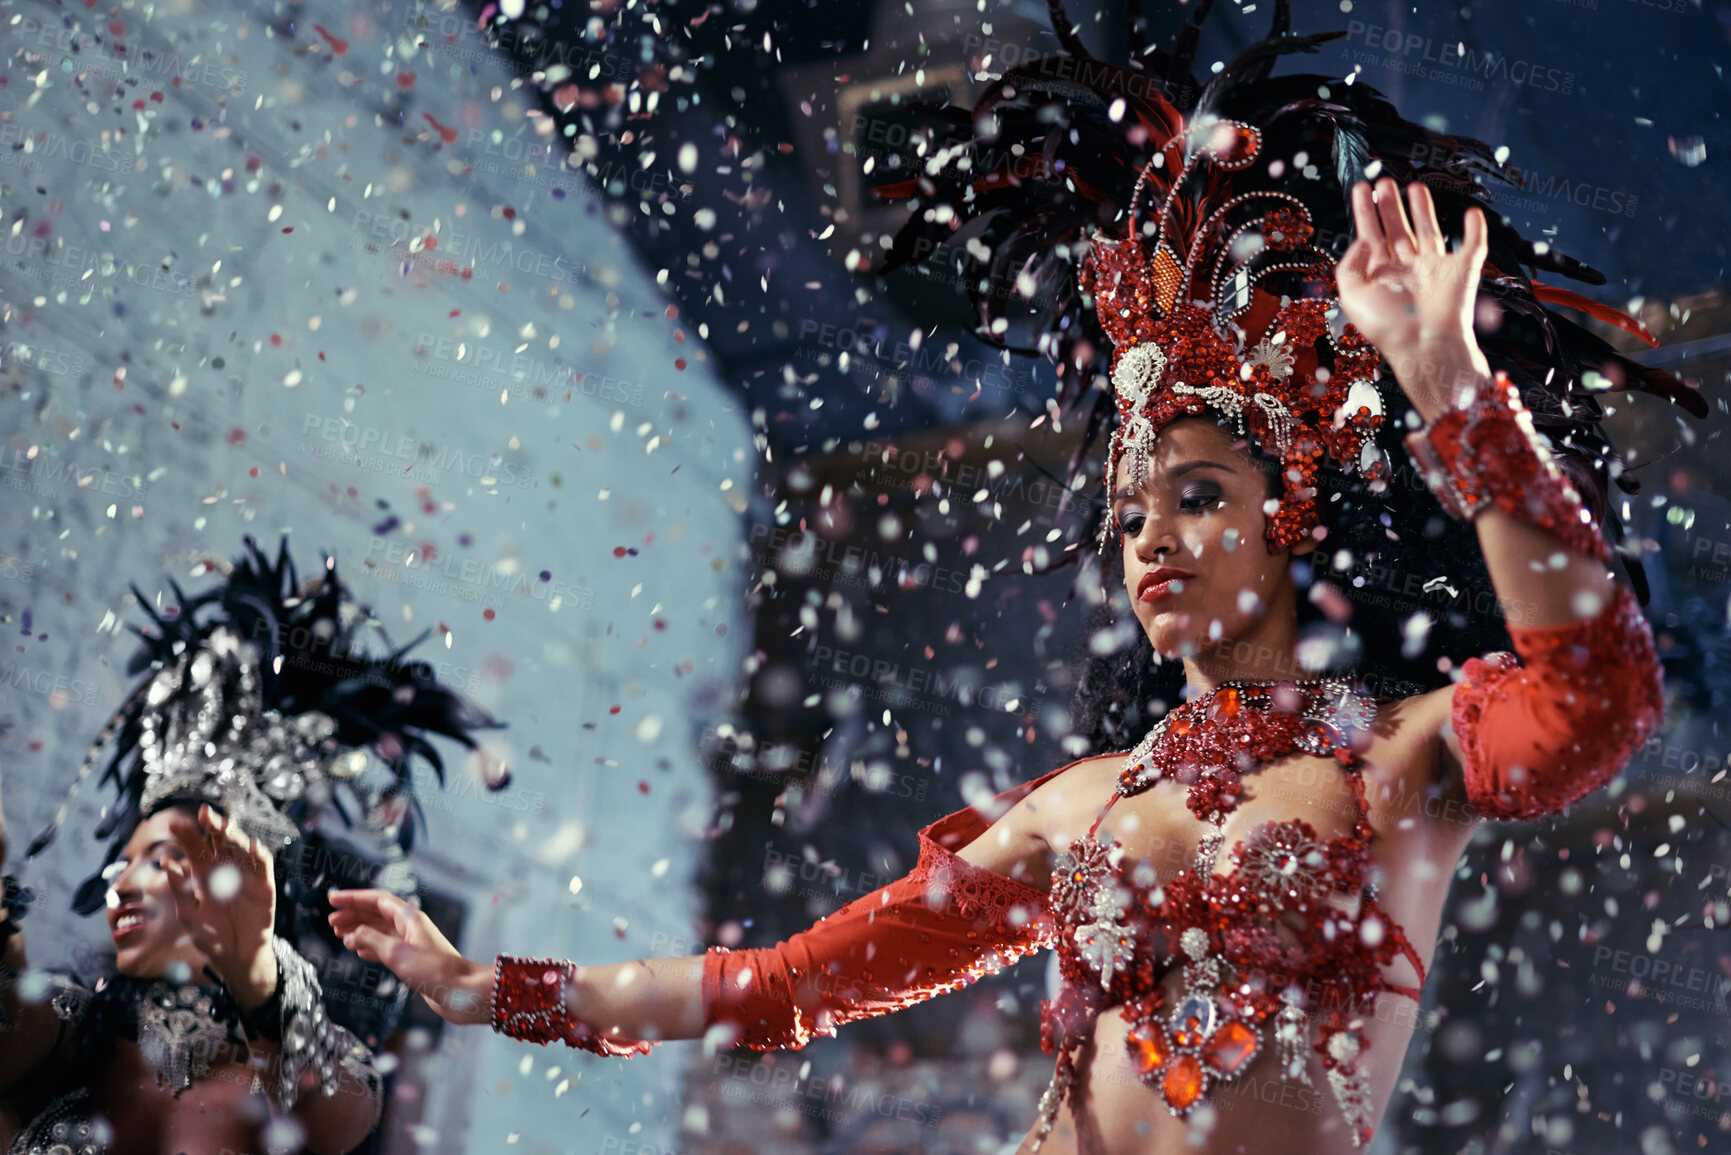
1168 276
1149 1049
1182 1085
1227 702
1231 1047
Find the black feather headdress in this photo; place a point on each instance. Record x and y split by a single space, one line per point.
1047 162
261 701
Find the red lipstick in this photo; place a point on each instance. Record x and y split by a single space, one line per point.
1158 583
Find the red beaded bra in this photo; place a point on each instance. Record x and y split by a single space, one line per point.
1261 941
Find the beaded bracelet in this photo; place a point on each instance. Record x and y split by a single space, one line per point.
529 1004
1487 454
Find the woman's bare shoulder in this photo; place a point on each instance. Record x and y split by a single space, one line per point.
1019 844
1420 716
1409 739
1076 794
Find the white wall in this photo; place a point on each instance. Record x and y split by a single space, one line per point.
195 290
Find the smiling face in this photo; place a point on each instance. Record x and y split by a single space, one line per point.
148 937
1194 546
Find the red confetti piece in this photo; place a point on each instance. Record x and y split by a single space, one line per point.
679 362
642 786
613 709
339 46
253 472
618 551
446 132
508 213
659 624
116 28
276 340
236 435
405 80
487 615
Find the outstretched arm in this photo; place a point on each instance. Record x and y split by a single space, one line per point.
1530 732
975 900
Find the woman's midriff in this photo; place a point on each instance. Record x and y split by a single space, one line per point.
1115 1113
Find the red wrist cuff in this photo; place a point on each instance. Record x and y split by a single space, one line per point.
1488 454
529 1004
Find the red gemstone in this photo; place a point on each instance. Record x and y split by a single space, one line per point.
1182 1085
1149 1048
1231 1047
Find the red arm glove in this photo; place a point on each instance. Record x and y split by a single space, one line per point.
1537 734
935 930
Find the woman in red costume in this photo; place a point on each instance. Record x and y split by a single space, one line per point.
1260 373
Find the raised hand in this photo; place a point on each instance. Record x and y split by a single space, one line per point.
225 898
1409 295
382 928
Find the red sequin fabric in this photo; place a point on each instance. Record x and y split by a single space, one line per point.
937 929
529 1004
1266 955
1487 454
1538 733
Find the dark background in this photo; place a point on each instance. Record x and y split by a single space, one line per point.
908 661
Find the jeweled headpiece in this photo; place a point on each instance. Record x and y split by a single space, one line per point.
1192 225
1192 331
261 701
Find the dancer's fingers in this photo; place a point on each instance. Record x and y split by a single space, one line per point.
1393 213
1427 231
1364 217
